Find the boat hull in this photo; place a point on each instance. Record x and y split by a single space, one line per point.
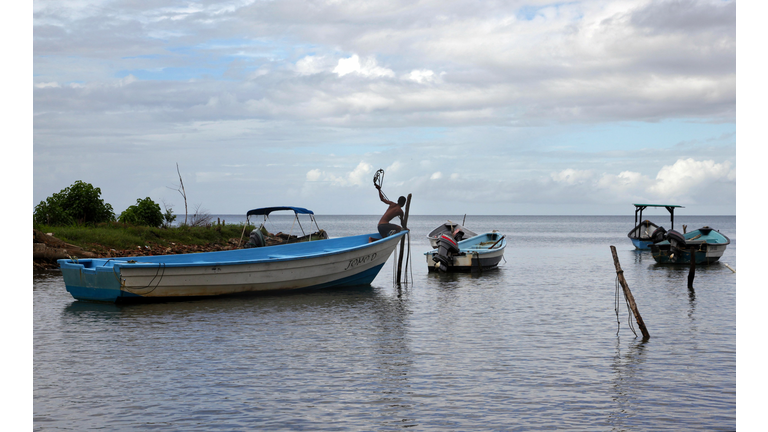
708 246
347 261
474 254
641 235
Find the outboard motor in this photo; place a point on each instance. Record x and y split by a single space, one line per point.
256 239
446 249
676 242
659 234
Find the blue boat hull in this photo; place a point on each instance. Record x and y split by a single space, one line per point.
340 262
642 244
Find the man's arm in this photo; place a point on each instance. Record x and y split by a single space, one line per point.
384 200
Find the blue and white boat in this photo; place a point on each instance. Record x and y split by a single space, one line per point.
642 234
481 252
708 246
337 262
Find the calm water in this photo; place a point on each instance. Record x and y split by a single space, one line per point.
532 345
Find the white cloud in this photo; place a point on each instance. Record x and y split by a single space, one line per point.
311 65
423 76
314 175
47 84
686 175
436 176
572 176
361 175
367 68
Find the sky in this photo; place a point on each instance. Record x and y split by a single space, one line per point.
497 107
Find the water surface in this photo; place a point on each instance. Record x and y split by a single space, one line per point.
532 345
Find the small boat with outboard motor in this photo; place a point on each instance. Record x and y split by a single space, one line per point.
672 247
641 234
481 252
457 231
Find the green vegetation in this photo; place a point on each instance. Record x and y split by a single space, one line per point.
78 215
103 237
79 204
146 212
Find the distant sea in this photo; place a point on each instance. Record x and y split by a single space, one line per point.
533 345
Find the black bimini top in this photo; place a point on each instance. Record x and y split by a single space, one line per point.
267 210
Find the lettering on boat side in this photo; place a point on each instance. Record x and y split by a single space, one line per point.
354 262
216 269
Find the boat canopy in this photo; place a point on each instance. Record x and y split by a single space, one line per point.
670 208
267 210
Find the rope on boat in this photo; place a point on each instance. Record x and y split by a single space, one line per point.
149 285
629 310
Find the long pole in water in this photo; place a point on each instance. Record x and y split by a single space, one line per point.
628 294
402 241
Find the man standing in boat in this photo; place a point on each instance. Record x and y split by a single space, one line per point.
395 209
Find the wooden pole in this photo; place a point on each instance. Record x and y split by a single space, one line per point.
628 294
402 241
692 271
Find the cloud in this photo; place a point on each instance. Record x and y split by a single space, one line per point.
359 176
367 68
572 176
423 76
503 99
686 175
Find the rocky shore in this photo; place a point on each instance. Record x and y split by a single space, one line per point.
47 249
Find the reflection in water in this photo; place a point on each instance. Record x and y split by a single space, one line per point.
627 375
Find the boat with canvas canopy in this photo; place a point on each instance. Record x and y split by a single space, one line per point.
301 263
642 234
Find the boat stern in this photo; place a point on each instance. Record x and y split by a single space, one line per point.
92 279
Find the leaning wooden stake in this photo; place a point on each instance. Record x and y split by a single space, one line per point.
628 294
402 241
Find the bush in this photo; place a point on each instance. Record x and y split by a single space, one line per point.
79 203
146 213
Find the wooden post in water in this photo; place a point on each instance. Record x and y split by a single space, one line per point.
402 241
692 271
628 294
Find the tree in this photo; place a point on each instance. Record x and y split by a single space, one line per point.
79 203
145 212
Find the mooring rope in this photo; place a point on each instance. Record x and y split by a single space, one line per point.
629 310
157 272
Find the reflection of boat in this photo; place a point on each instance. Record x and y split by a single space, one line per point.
261 237
708 243
482 251
642 234
453 229
344 261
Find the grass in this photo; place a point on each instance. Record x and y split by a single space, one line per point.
119 236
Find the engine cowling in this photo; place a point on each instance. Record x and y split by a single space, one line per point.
446 249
